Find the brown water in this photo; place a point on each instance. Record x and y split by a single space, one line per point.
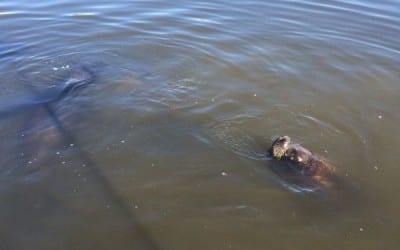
166 149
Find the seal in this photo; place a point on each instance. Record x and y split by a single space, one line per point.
301 161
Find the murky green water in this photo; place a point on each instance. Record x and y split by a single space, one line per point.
166 148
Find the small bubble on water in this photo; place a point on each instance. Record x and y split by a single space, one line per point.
224 174
255 95
55 68
380 116
122 141
63 162
57 153
361 229
71 145
29 162
376 167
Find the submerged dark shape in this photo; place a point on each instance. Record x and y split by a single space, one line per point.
138 235
311 169
80 76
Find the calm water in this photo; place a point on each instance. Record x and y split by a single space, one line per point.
166 149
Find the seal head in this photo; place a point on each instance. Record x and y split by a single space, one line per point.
279 147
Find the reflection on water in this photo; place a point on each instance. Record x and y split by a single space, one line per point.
166 149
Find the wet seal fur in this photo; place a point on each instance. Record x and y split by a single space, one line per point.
311 168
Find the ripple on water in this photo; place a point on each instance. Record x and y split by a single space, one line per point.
231 135
222 74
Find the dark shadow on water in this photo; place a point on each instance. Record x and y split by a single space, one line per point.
139 233
139 237
79 77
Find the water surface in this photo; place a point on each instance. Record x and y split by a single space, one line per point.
166 149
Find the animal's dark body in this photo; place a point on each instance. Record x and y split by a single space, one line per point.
302 163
